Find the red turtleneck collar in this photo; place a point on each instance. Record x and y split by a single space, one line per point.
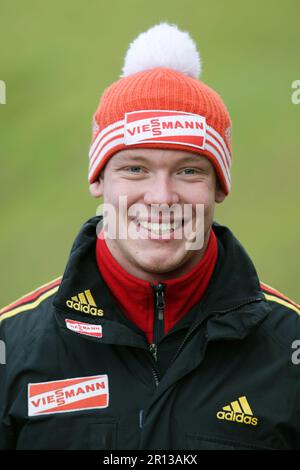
180 293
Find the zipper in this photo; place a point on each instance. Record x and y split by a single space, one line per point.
206 317
155 376
154 371
158 330
153 350
159 314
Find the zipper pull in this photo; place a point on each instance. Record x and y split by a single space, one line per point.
160 300
153 350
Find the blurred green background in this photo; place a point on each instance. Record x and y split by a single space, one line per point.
56 59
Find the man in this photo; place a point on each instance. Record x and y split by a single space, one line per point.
159 335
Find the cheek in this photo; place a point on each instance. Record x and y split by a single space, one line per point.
209 209
205 196
112 193
115 190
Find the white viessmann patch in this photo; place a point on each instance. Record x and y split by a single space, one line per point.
60 396
165 127
84 328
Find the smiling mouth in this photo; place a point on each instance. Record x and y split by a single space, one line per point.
160 228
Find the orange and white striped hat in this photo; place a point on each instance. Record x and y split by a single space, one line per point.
160 103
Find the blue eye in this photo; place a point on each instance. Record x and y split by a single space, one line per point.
134 169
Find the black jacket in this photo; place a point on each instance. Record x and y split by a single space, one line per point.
223 377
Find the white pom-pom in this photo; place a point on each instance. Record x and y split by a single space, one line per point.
164 45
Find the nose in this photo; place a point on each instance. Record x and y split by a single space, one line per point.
161 190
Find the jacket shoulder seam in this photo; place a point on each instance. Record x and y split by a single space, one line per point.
273 295
273 298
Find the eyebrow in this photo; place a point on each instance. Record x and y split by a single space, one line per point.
120 158
194 159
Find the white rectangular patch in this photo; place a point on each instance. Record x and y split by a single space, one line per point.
162 126
84 328
61 396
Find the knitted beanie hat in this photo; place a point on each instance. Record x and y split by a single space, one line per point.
160 103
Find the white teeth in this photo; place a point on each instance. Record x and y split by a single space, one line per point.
159 228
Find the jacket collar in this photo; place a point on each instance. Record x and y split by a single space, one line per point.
82 275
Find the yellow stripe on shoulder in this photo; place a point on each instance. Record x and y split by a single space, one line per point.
273 298
30 305
272 291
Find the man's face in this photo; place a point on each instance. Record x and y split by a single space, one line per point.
158 177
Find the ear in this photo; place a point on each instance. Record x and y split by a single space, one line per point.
219 194
96 189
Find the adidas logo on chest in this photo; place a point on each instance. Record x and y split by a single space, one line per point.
238 411
84 302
